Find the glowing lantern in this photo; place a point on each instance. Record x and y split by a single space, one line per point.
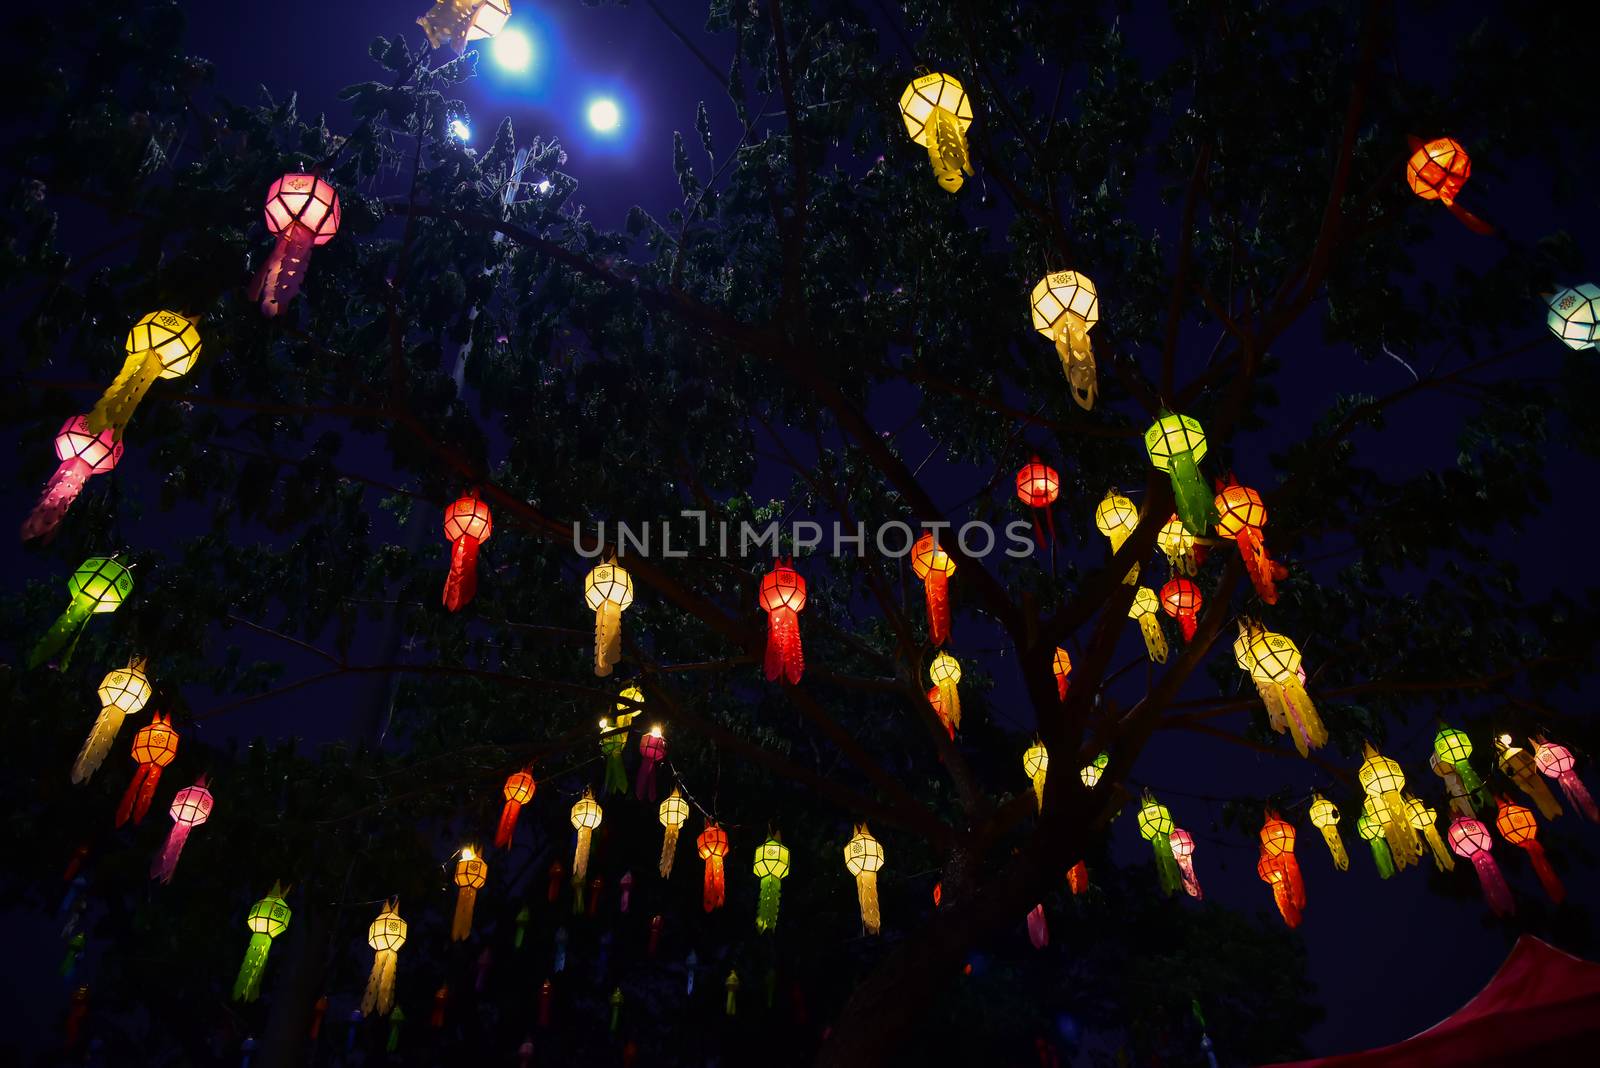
1078 878
938 710
713 846
83 453
1065 308
163 344
1275 669
467 525
122 693
1038 486
1177 544
1182 843
1240 516
1038 928
1556 761
613 740
191 807
1116 518
1523 770
1454 747
771 867
1177 444
934 567
586 816
674 812
385 935
1035 762
1272 871
1062 667
1156 827
267 919
783 595
1181 600
1382 781
1453 788
518 791
472 871
302 212
154 746
1518 827
1325 818
1574 318
937 113
944 673
1090 773
1469 839
1437 171
731 985
100 584
863 858
1426 820
1277 843
652 750
607 590
1143 609
1372 830
456 23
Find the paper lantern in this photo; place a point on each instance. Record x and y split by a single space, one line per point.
653 946
937 113
586 816
771 867
100 584
1038 486
1176 444
1035 762
1469 839
1177 544
783 595
613 741
863 858
1518 827
730 1006
385 935
1090 773
652 750
1557 762
163 344
1288 891
1061 666
1382 781
1066 306
122 693
1182 843
302 213
1437 171
1038 927
191 807
673 813
1116 518
1518 764
1144 609
713 846
934 567
267 919
467 525
1371 829
608 590
83 453
1275 669
472 871
518 790
1455 747
1426 821
1270 869
938 710
1181 600
1325 818
1454 790
154 746
1240 516
1156 827
1078 878
1574 318
453 24
944 673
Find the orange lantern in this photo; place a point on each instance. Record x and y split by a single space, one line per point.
1270 869
938 709
934 567
454 24
1288 887
471 873
1038 486
467 524
1437 171
713 846
519 789
783 595
1240 516
1078 878
1062 666
302 212
154 746
1518 827
1181 600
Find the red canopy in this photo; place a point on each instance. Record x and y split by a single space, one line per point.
1542 1007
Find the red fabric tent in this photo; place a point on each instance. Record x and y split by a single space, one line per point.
1542 1008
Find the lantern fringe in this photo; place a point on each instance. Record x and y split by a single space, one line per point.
1577 795
580 858
166 862
115 407
767 906
1467 219
99 742
1399 833
1038 788
1191 881
461 924
1525 773
1294 712
141 791
616 781
59 493
950 704
1495 890
63 634
1286 904
1441 856
1474 786
867 897
1263 571
607 637
716 889
1193 498
379 994
1381 857
1167 872
461 584
937 590
669 850
947 150
507 828
785 659
447 23
644 784
1077 360
278 281
1547 875
1187 623
1155 642
1038 928
731 1005
247 987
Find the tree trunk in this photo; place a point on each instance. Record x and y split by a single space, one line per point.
299 985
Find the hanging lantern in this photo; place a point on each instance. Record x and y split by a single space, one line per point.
100 584
1038 486
1156 827
472 871
1090 773
1143 609
1181 600
154 746
944 673
1175 541
267 919
122 693
1035 762
1519 765
302 213
863 858
652 750
1453 788
713 846
783 595
624 891
934 567
385 935
1382 781
1557 762
163 344
1038 928
454 24
1275 668
674 812
518 790
467 525
731 985
83 454
1078 878
1182 843
608 590
1469 839
1177 444
1574 318
1240 516
771 867
1455 748
1518 827
1277 843
586 816
1426 821
654 945
937 113
1066 306
1062 667
613 741
1372 830
1325 818
1437 171
191 807
1271 871
1116 518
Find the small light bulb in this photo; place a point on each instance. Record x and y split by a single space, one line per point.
460 130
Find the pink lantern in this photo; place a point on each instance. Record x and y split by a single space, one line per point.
467 525
302 212
82 453
1469 839
190 808
1183 852
1556 762
1038 929
652 749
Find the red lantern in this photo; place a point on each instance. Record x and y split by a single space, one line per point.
1240 516
783 595
190 808
1277 847
938 710
713 846
1437 171
83 454
1062 665
1181 600
519 790
1270 869
655 936
652 750
1078 878
934 567
1518 827
1038 486
467 524
558 874
302 212
154 746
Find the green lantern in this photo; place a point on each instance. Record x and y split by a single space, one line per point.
772 867
1454 748
1372 831
1177 444
99 585
613 740
1155 827
267 919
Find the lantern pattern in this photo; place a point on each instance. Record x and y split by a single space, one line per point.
472 871
934 566
1372 830
613 741
1437 171
1181 600
467 525
1240 516
454 24
518 791
1038 486
1519 765
1066 306
83 454
1091 772
1144 609
1574 317
1176 444
1156 827
100 584
191 807
1455 748
1272 871
122 693
1035 762
783 595
1469 839
385 935
1325 818
1038 927
1557 762
1382 781
771 867
1288 886
863 859
1177 544
1116 518
608 590
1182 843
586 816
1425 821
302 212
163 344
1518 827
673 813
713 846
1274 664
936 112
267 919
652 750
154 746
1455 792
945 673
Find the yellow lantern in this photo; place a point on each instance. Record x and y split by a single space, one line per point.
1116 518
586 816
608 590
1035 762
937 113
1382 781
1065 308
1325 818
1090 773
1177 544
630 703
122 693
457 23
944 673
164 344
1144 609
385 935
472 871
1426 820
673 814
1274 666
1520 766
863 858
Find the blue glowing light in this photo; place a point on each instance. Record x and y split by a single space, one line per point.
604 115
460 130
512 50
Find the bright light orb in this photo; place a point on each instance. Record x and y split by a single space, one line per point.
604 115
512 50
460 130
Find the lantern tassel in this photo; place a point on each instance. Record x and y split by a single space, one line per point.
462 583
1526 775
1191 881
1194 500
938 597
141 791
446 24
508 824
1547 875
1187 623
1077 360
1302 719
278 281
1467 219
247 987
767 906
1381 857
461 925
63 634
580 859
716 890
616 781
1167 873
644 784
1474 786
1577 795
867 896
1155 642
115 406
95 747
166 862
1038 787
1330 835
669 850
1399 833
1263 571
1495 890
947 150
59 493
379 994
1038 928
950 704
785 659
607 637
1285 902
1441 856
